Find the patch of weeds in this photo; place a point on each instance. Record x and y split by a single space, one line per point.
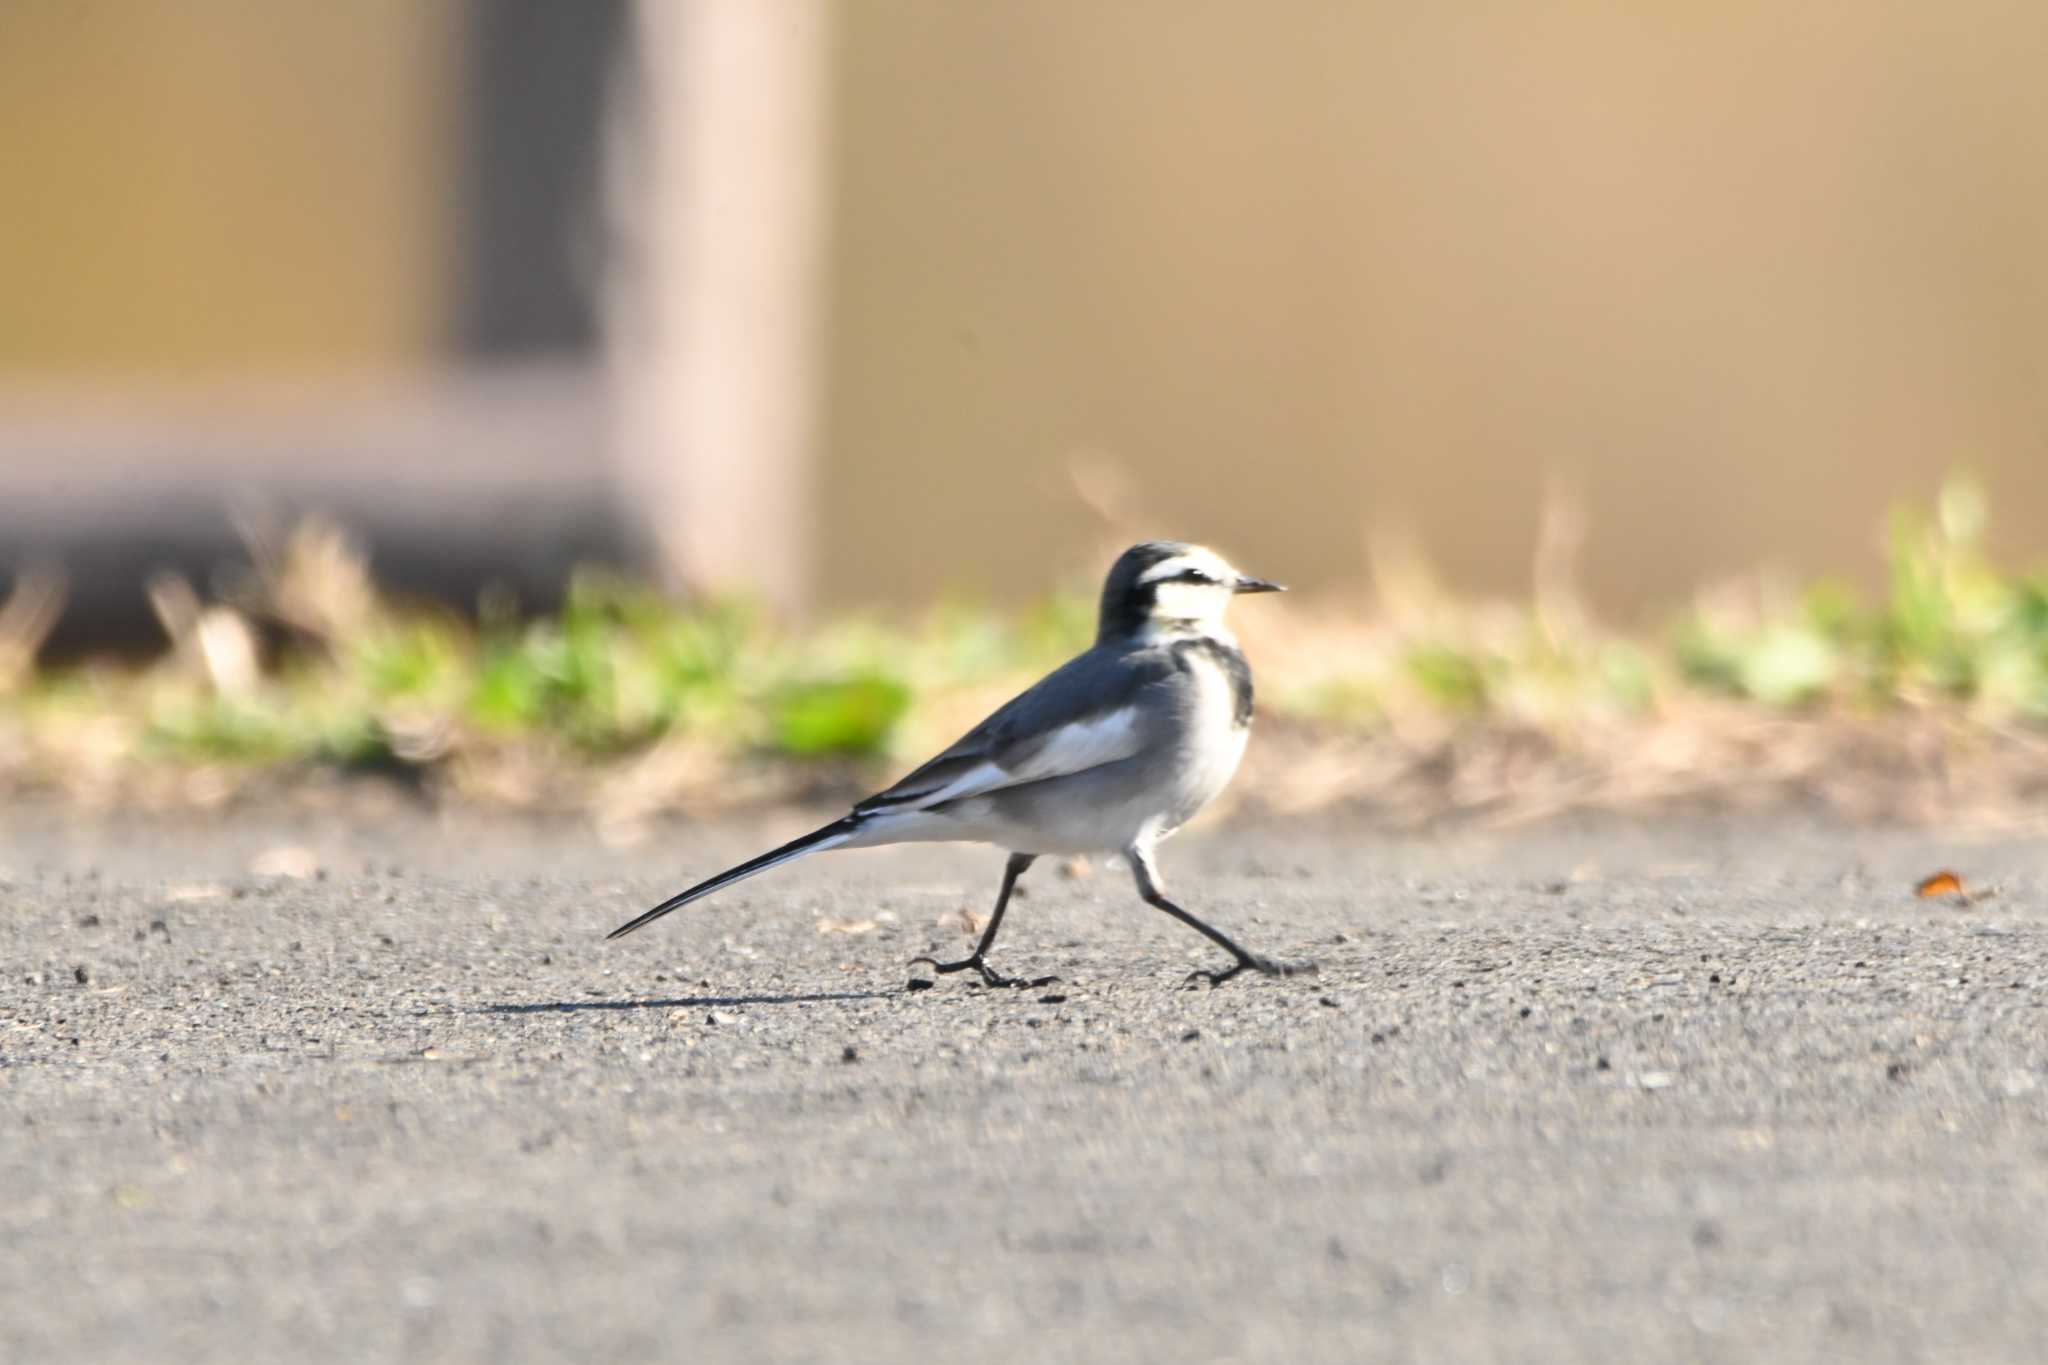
1450 677
348 679
841 716
1950 628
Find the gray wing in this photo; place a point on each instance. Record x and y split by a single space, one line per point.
1083 714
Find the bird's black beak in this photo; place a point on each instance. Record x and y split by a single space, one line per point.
1256 585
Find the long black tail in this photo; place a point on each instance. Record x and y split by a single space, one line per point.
831 836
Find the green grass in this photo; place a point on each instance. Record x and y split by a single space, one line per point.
1951 628
621 670
618 669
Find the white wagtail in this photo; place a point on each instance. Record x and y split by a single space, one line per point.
1109 753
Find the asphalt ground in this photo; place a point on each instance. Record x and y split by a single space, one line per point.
1706 1092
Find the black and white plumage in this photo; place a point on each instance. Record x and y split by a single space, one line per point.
1111 752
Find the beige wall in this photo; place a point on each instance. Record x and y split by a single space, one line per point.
224 187
1741 272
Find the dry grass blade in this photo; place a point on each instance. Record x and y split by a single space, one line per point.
318 582
28 616
215 644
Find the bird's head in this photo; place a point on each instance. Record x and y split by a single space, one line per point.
1170 587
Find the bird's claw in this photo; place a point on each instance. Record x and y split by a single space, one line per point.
989 975
1263 966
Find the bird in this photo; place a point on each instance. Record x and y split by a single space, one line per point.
1109 753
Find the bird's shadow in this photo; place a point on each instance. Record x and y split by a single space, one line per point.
684 1002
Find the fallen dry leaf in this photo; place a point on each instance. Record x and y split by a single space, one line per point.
1943 883
1950 884
848 926
966 921
288 860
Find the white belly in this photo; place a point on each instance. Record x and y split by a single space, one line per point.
1211 746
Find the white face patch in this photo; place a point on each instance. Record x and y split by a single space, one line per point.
1194 587
1200 603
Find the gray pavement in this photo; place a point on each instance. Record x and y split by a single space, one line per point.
1707 1092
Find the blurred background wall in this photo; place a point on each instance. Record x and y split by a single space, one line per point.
1735 275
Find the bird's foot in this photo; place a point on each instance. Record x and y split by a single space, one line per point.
1262 965
989 975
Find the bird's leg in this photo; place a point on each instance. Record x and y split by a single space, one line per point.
989 975
1148 888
